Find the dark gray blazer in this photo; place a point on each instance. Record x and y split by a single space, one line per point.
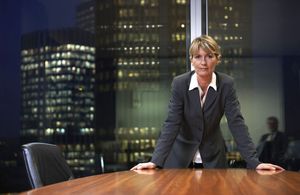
188 127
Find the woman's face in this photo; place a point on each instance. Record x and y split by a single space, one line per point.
204 63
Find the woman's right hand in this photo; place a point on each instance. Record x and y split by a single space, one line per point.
140 166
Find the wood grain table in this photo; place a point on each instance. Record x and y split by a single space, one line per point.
181 181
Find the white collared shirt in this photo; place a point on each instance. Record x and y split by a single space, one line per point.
194 84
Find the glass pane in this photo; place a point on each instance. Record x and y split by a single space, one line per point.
259 50
100 86
230 24
93 77
140 47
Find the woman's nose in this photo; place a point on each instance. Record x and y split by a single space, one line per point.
203 61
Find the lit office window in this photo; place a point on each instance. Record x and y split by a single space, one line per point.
139 51
231 23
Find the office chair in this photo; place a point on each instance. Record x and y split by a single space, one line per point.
45 164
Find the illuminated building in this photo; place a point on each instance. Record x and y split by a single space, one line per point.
229 23
57 83
140 47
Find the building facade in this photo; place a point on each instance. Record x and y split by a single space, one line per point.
140 47
230 22
85 16
58 104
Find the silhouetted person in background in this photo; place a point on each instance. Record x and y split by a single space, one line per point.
273 145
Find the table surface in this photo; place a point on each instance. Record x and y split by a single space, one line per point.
180 181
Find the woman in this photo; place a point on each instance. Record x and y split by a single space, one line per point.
191 135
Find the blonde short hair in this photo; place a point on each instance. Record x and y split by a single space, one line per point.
208 44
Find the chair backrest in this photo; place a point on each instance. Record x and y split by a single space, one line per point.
45 164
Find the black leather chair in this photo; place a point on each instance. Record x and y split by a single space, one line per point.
45 164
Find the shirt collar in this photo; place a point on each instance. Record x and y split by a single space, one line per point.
194 82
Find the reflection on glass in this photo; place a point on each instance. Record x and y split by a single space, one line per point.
103 87
140 47
258 79
58 69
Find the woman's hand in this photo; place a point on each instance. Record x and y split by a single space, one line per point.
267 172
268 166
147 165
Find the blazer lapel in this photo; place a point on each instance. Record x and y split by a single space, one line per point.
210 98
195 101
211 94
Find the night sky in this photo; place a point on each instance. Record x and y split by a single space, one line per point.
17 17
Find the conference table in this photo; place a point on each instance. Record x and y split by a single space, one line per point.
180 181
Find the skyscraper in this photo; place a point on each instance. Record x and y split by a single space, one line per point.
230 23
140 47
57 83
85 16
